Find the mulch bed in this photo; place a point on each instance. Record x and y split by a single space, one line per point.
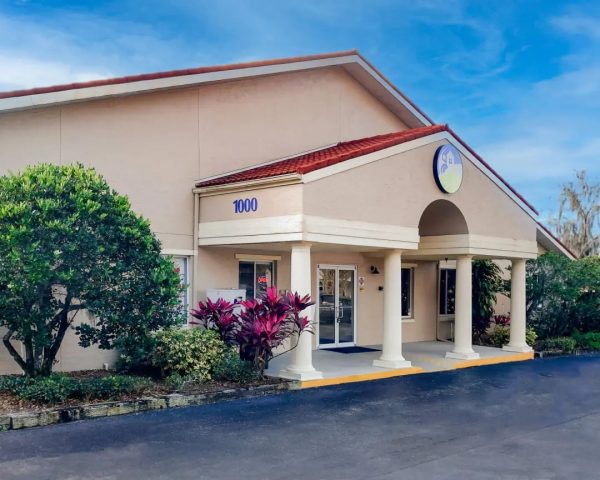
9 403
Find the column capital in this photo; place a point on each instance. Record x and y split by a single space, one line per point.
301 246
518 260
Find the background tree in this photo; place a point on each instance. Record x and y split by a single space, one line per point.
578 221
69 243
487 283
563 295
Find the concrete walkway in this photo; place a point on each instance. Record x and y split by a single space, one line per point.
425 357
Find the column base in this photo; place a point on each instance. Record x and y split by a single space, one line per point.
517 348
300 374
462 355
381 363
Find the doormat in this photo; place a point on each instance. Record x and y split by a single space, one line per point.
353 349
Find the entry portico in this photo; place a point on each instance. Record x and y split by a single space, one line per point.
371 207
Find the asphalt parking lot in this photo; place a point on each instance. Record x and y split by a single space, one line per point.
538 420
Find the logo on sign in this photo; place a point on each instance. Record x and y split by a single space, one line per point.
447 168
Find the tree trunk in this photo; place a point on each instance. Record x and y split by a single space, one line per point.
14 354
50 353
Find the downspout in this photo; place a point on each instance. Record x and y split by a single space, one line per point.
196 269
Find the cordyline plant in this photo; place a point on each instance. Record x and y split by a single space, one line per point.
69 243
261 326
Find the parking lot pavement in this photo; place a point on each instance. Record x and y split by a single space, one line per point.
536 419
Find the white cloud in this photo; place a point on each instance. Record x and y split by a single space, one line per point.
578 24
24 72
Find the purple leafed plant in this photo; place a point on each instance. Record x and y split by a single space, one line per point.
219 316
262 325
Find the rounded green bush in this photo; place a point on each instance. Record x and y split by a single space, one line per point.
187 351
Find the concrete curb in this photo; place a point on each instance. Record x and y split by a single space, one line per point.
21 420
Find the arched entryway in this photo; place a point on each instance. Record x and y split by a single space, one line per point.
442 217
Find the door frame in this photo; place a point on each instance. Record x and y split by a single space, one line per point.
337 267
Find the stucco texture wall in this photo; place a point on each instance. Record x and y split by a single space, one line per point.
220 270
396 190
152 147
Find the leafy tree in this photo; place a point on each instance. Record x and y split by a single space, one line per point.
578 222
70 243
487 282
563 295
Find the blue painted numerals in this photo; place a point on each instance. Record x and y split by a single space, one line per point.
245 205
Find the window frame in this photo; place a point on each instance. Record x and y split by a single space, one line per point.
273 264
443 270
186 294
411 296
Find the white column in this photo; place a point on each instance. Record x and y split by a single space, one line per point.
391 356
463 316
301 367
518 323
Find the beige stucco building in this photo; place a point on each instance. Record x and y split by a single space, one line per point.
315 174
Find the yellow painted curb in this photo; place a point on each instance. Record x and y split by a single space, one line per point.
517 357
363 377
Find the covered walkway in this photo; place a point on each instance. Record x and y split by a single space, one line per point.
338 367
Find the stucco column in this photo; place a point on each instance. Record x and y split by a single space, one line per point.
301 367
518 323
391 356
463 316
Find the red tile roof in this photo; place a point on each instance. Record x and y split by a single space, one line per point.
343 151
326 157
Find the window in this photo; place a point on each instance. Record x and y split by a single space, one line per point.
447 291
407 292
256 277
182 267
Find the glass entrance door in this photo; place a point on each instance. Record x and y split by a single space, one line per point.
336 305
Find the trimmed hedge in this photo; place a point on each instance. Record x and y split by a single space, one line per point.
558 344
59 387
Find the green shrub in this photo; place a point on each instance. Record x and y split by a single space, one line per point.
135 354
563 295
558 344
58 387
68 242
587 340
530 336
52 389
110 386
187 351
499 336
232 368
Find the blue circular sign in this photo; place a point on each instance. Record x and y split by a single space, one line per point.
447 168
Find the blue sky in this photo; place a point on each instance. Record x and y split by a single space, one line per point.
518 80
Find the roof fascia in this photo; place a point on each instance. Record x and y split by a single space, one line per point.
267 182
552 243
